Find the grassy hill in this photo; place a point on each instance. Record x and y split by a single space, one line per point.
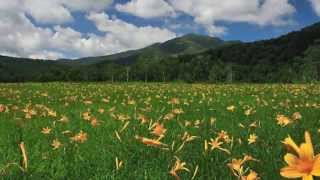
188 44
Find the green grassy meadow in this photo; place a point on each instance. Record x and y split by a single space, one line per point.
115 118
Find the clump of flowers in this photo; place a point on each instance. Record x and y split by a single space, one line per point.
237 168
283 120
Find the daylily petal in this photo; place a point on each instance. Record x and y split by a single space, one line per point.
316 172
309 142
252 176
290 159
290 172
291 145
309 177
317 159
306 151
316 166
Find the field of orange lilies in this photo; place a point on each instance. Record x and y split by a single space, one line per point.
159 131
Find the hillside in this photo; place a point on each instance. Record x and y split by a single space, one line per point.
192 58
281 59
188 44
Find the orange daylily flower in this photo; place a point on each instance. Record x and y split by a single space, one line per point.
150 142
252 138
56 144
81 137
231 108
46 130
174 101
249 112
236 166
296 116
52 113
216 144
178 166
283 120
158 129
2 108
224 136
101 110
94 122
301 162
251 176
254 124
86 116
29 113
177 111
142 118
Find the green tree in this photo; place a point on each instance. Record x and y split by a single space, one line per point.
218 72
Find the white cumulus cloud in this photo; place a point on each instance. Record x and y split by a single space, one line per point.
47 11
210 12
50 55
60 11
86 5
128 35
21 38
316 6
146 8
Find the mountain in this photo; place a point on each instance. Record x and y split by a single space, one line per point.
23 69
187 44
294 57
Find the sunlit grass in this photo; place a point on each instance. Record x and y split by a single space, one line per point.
152 131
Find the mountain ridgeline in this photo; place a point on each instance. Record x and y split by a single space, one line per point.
188 44
291 58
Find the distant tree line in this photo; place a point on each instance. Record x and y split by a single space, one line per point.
188 68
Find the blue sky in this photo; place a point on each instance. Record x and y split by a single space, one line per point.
45 29
304 16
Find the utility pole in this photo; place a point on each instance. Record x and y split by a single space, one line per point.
230 72
163 77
